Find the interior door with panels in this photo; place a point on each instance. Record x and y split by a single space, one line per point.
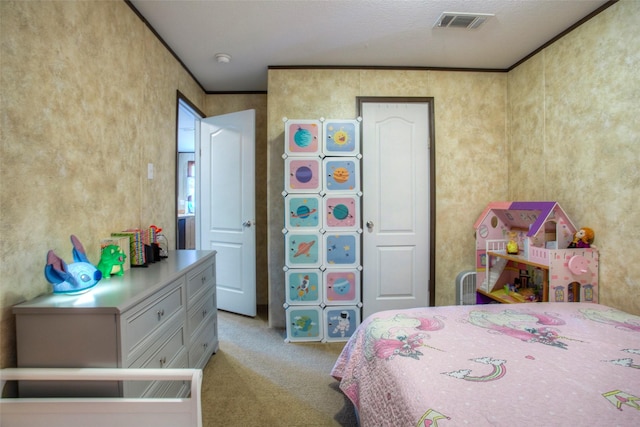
396 205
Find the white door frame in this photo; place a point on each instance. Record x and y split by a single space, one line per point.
197 115
360 100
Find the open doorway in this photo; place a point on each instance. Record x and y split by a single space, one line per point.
186 168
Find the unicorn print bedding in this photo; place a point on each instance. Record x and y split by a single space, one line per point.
539 364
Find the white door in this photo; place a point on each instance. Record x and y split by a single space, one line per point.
227 206
395 186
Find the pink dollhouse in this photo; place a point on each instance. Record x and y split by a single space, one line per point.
541 267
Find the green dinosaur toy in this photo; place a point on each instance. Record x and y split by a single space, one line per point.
112 257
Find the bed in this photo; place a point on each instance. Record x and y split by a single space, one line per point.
538 364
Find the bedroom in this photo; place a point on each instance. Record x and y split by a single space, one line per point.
570 111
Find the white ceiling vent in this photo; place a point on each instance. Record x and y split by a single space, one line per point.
469 21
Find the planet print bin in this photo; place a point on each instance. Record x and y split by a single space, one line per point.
303 175
341 212
303 250
303 211
303 137
341 286
304 323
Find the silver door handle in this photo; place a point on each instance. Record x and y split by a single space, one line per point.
370 225
247 223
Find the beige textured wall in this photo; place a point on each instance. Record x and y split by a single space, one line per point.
470 144
222 104
575 137
88 99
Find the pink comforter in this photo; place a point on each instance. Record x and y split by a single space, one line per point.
543 364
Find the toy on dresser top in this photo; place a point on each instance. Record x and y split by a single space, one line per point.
76 277
583 238
112 261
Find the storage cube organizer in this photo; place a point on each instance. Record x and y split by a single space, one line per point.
322 228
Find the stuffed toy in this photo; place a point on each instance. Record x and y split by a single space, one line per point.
74 278
582 238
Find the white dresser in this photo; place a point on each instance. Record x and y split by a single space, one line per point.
163 316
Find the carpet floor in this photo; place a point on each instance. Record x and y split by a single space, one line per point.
256 379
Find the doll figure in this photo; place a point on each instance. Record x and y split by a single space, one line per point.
512 245
582 238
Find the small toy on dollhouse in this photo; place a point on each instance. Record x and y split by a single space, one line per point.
531 251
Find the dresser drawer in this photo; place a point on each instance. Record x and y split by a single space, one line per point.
166 353
147 317
203 346
200 279
171 389
172 345
201 311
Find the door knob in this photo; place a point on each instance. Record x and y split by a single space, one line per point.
247 223
370 225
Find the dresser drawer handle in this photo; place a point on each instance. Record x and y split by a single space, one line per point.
204 312
160 313
163 360
203 279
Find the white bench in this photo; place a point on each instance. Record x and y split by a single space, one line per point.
101 412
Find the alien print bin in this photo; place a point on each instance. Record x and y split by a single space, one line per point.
340 322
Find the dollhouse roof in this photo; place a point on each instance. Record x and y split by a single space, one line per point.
530 216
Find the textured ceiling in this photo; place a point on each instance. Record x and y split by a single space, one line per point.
389 33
